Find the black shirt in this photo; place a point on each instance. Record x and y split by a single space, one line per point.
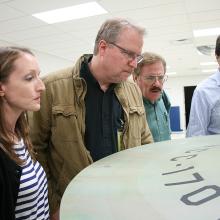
10 174
104 116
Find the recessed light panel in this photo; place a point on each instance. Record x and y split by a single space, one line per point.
209 70
206 32
208 63
71 13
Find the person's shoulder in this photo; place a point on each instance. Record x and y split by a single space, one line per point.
5 159
130 88
215 78
58 75
2 151
2 154
165 99
208 84
129 83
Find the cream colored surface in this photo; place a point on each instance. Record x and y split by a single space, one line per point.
152 182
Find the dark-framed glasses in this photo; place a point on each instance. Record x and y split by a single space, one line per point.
130 55
152 79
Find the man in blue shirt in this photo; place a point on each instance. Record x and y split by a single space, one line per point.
150 77
205 108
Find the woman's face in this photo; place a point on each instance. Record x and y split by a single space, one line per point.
22 90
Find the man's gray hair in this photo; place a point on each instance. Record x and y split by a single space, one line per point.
111 29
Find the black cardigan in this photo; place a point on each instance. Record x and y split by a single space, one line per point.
10 174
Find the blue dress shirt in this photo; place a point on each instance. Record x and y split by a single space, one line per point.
205 108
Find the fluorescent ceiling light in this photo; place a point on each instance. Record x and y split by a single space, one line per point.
70 13
210 70
206 32
171 73
208 63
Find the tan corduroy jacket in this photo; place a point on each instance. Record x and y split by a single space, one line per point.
57 130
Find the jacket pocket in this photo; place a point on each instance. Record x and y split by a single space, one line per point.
137 110
64 123
135 121
63 110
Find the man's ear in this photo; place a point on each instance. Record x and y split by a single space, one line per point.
134 77
102 46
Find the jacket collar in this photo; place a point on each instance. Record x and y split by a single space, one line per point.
79 83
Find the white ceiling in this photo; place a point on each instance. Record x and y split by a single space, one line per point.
169 25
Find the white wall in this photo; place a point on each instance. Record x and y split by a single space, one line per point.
49 63
174 87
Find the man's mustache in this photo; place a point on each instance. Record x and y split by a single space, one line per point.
156 89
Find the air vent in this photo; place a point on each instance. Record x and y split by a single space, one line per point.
182 41
206 49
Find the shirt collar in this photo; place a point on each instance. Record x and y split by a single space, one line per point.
147 101
217 76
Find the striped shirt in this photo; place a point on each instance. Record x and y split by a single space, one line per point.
32 201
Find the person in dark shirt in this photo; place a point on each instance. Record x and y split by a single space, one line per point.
90 111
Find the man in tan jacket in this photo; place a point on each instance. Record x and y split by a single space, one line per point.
90 111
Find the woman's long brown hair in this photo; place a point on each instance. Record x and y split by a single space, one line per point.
8 56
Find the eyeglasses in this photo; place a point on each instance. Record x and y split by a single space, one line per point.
152 79
131 55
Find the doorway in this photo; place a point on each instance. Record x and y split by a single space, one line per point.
188 93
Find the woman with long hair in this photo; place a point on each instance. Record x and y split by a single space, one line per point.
23 181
